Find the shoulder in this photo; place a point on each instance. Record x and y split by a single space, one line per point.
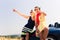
29 17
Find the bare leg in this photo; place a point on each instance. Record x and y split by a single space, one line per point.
22 38
41 35
45 33
27 36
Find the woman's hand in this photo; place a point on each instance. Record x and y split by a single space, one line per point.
14 10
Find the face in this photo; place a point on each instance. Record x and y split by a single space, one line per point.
36 9
32 13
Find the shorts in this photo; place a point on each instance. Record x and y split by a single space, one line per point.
26 30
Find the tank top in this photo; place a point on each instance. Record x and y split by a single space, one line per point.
30 24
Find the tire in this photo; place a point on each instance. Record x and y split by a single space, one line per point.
51 38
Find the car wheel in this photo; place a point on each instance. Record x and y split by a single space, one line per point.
51 38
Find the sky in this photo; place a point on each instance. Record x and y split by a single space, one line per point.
12 23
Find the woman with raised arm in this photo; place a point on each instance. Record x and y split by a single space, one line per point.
27 29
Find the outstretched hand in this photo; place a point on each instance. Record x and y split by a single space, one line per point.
15 10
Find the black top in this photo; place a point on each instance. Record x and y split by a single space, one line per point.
30 23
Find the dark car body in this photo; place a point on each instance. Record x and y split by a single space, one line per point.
54 33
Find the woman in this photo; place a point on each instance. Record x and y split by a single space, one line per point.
29 26
40 22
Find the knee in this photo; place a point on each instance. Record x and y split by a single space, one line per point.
47 29
27 34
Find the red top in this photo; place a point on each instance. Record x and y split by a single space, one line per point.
37 18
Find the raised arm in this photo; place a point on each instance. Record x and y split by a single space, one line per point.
44 13
42 17
21 14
